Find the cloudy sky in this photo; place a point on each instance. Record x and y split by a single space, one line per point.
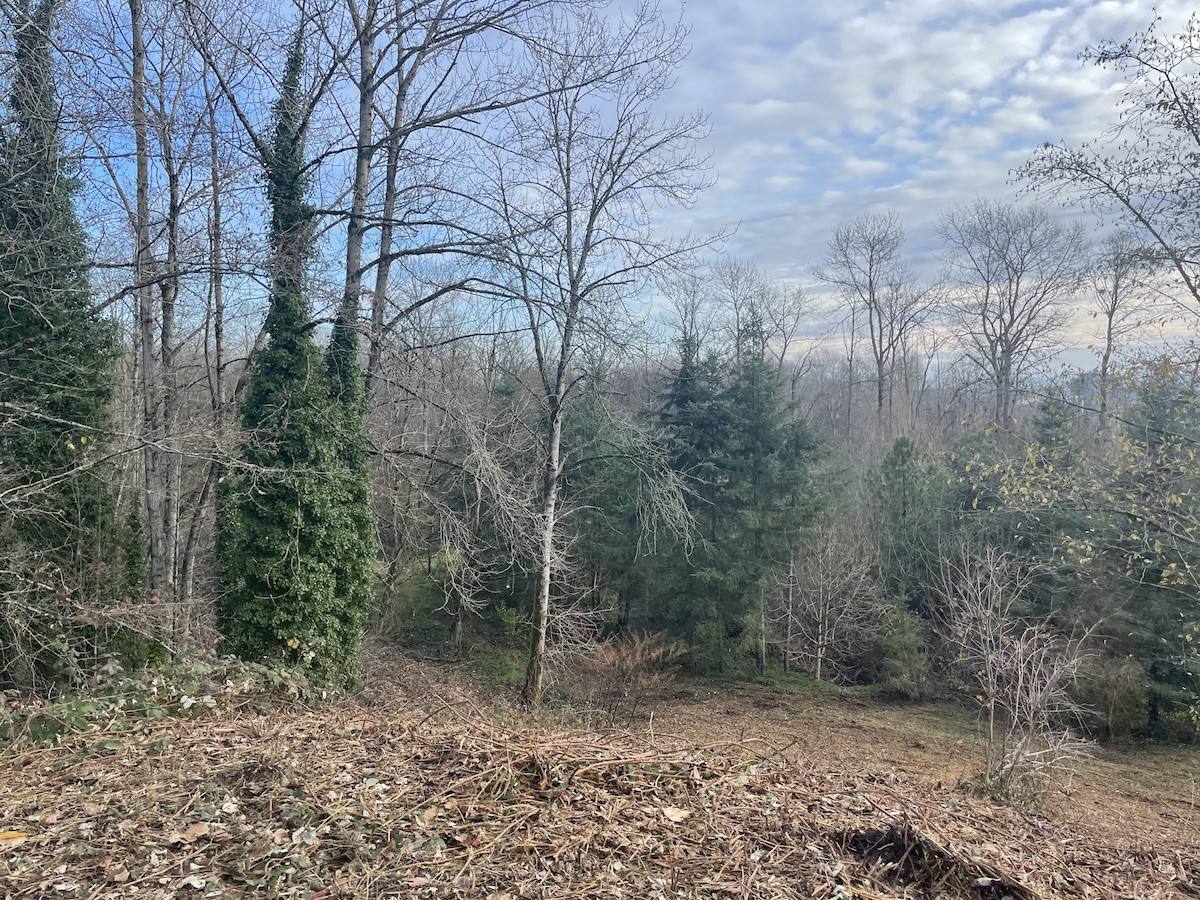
821 111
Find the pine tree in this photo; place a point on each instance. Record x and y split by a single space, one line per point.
296 538
745 457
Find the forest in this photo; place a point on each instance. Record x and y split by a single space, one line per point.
354 320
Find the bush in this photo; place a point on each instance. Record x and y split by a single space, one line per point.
1023 676
1115 687
116 701
624 672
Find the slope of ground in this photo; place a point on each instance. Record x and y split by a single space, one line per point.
1136 799
416 790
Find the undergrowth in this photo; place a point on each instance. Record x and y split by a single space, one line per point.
117 702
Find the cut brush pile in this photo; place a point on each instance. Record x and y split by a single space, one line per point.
379 799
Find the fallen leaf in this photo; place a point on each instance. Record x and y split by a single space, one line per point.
10 839
190 835
675 814
115 872
92 809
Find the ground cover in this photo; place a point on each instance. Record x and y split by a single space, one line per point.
421 788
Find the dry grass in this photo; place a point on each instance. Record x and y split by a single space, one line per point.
417 790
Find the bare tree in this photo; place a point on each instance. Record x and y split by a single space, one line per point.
1011 272
577 237
863 261
741 291
1142 168
1024 672
425 77
1117 276
830 610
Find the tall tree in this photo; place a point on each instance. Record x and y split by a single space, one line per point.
864 262
1142 168
296 540
596 158
745 458
1012 270
56 351
1119 277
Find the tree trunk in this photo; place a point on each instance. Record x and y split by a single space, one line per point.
791 611
762 631
356 225
153 461
535 672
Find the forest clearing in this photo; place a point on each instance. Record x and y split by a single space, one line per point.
407 491
419 787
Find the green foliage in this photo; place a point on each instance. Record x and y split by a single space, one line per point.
499 666
412 610
1113 533
296 540
907 499
904 671
117 702
56 381
745 457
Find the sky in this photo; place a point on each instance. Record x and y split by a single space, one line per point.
823 111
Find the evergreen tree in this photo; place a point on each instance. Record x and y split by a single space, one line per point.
56 353
908 504
56 380
296 537
746 458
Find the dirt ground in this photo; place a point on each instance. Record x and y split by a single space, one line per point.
420 787
1136 798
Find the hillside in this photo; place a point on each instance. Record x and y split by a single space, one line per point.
418 789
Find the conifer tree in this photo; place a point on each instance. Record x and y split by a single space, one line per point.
56 384
745 457
907 501
56 353
295 536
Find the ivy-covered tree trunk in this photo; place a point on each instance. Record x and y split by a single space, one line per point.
56 381
296 536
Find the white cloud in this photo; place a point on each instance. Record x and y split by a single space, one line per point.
821 112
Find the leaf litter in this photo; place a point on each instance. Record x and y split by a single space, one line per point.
391 797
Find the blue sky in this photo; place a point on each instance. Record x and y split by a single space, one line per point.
822 111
